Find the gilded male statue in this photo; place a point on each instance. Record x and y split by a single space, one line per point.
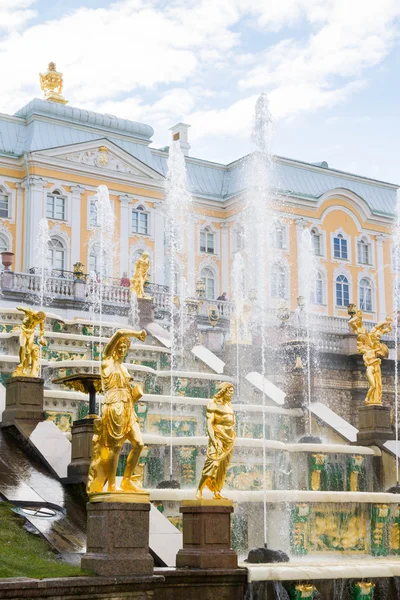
118 421
28 350
139 278
372 350
221 438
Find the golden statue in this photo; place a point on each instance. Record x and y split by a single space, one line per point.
221 438
28 350
118 421
373 350
52 84
139 278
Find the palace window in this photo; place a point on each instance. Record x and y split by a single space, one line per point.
317 296
93 213
56 257
364 252
342 291
207 241
3 244
239 239
208 277
340 247
316 242
55 206
278 282
279 237
4 205
365 294
140 221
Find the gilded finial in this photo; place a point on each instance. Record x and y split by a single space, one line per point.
52 84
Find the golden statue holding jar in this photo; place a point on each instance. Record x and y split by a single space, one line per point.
221 439
118 421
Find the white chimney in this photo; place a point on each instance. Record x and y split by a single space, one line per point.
180 134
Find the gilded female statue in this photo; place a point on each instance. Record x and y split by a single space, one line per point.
142 268
28 351
118 421
372 350
221 438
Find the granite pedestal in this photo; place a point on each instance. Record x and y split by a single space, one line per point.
146 311
207 535
374 424
81 450
24 402
118 539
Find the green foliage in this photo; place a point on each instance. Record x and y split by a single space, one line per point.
23 554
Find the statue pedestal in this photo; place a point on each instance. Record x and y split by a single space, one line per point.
118 538
24 402
207 535
146 311
81 450
374 424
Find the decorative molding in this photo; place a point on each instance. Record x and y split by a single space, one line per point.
56 232
101 157
6 233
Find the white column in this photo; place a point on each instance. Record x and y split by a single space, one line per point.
159 248
301 288
76 193
35 211
124 234
192 245
18 226
381 276
225 258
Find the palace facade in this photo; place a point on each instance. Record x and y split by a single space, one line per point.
53 157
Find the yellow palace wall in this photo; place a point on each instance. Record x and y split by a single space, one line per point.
334 214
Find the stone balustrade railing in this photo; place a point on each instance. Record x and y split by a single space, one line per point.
24 286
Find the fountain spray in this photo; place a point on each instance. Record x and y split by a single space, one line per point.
396 283
42 260
177 218
258 220
104 238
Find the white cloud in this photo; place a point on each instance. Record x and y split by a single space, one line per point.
14 14
188 56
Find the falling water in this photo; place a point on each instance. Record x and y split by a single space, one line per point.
177 219
133 318
94 302
103 243
396 249
42 258
308 269
182 320
259 217
42 262
238 299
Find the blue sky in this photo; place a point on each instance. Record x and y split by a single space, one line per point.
330 68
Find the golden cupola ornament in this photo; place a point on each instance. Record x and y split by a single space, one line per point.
51 83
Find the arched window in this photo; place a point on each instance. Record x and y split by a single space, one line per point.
208 278
316 239
140 221
279 237
3 244
340 247
55 206
364 252
317 296
56 258
4 204
365 294
278 282
342 291
207 241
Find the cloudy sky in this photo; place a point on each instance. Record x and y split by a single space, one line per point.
330 68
